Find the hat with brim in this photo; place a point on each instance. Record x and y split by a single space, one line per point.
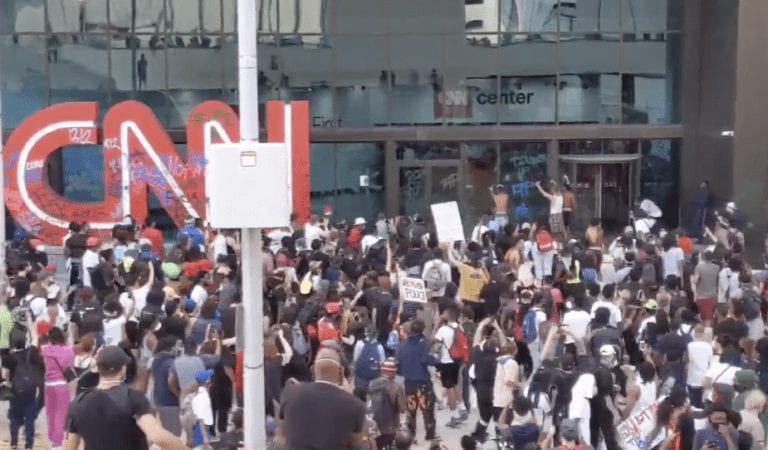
111 358
203 376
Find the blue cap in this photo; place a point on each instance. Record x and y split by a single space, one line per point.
189 304
203 376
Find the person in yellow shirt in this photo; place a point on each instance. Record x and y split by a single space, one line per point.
472 277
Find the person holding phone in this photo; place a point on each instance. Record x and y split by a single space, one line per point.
719 434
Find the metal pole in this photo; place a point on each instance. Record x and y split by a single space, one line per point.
2 177
253 364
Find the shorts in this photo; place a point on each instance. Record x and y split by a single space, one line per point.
567 218
706 308
449 374
556 224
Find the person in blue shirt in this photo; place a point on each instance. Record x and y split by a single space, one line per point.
201 407
195 235
413 361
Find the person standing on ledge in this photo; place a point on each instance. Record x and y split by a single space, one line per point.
501 203
556 224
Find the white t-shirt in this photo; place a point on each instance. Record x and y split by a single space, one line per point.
201 406
478 232
577 322
140 299
673 259
220 246
615 312
129 304
90 260
699 359
643 326
199 295
445 273
720 373
556 204
367 242
507 370
582 391
113 330
312 232
445 335
37 306
727 283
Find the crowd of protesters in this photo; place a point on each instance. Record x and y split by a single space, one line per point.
531 336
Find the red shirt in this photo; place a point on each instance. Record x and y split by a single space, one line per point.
239 372
192 268
155 237
686 245
355 235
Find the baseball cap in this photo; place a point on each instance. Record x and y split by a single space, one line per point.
607 350
189 305
203 376
111 358
650 304
569 430
745 379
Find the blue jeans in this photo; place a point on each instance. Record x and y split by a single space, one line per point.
22 411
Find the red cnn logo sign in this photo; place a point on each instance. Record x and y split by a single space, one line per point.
138 155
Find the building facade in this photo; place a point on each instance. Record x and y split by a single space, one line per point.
415 102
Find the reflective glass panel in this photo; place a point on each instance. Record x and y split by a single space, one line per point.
413 190
361 98
521 165
466 81
651 15
83 173
78 67
599 16
359 181
479 176
589 85
416 80
26 16
359 16
651 82
528 91
528 16
426 16
322 177
660 175
412 151
25 82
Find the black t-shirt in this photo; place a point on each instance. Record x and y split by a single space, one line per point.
319 416
173 326
107 418
491 295
88 318
76 245
383 301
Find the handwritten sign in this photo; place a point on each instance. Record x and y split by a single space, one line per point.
448 221
413 290
634 431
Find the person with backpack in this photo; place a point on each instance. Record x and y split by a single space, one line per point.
387 403
114 416
543 252
413 362
453 353
532 319
747 302
436 276
26 369
367 357
87 316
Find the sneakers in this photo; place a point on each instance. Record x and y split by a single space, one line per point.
454 422
463 415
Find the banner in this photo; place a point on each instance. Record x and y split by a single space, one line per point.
448 222
412 290
633 432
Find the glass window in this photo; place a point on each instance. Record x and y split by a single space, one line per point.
412 151
528 16
83 173
479 177
660 175
359 181
651 15
25 82
651 81
75 16
186 16
527 91
229 16
26 16
413 190
322 179
417 64
426 16
598 147
89 54
361 98
466 77
589 84
521 165
587 15
186 72
359 17
293 17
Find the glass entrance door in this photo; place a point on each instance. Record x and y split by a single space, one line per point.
427 183
604 190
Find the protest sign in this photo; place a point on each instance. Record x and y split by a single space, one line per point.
448 222
633 432
412 290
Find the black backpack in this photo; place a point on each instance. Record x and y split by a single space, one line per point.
26 377
98 278
90 317
749 303
376 259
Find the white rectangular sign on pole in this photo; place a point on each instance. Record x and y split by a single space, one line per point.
413 290
448 222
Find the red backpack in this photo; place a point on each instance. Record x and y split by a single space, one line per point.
459 350
544 241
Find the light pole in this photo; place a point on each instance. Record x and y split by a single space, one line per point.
253 357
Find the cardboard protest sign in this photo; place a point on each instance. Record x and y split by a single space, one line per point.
448 222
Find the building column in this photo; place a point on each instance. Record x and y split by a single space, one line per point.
750 165
391 179
553 161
